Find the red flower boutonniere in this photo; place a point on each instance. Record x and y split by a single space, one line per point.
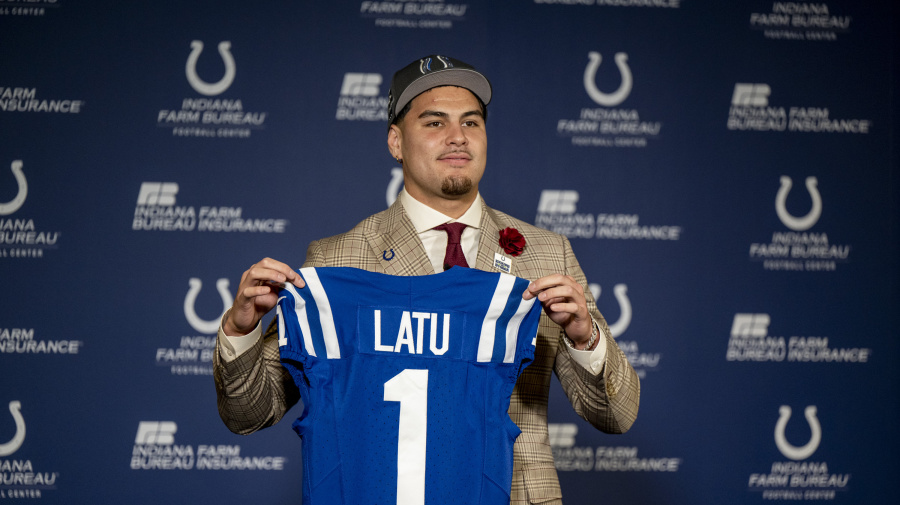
512 242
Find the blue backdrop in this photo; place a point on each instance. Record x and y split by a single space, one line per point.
726 172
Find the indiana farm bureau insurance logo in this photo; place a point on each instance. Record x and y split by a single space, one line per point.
558 212
750 340
157 210
571 457
155 448
751 110
361 98
27 100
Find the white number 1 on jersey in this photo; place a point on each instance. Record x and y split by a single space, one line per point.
410 388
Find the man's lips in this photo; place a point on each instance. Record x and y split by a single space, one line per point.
456 156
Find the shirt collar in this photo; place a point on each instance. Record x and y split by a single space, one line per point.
425 218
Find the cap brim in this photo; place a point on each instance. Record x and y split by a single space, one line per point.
464 78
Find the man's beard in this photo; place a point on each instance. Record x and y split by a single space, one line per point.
456 185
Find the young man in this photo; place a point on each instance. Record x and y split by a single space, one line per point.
437 132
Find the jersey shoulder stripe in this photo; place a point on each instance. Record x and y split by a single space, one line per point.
298 319
325 315
499 330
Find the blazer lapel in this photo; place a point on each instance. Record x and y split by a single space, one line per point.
396 244
489 244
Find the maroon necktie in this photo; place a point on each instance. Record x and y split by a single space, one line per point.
454 255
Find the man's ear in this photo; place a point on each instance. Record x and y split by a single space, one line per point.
395 142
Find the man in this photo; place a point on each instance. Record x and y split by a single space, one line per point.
437 114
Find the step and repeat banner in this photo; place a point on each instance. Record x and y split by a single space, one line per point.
726 173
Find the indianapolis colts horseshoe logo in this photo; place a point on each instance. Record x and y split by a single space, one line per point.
798 223
384 255
201 325
13 445
201 86
590 73
393 187
425 64
14 204
621 292
790 451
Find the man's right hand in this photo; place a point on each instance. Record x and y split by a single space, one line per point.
257 295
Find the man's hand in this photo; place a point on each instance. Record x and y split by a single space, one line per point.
564 302
257 295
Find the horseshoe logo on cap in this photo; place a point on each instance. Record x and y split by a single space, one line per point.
203 326
17 439
789 451
798 223
425 64
14 204
202 86
590 73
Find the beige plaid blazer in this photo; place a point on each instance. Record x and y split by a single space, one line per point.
255 391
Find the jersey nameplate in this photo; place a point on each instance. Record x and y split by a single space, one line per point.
411 332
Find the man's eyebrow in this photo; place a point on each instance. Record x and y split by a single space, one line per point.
435 113
432 113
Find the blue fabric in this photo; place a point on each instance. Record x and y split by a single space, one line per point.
350 432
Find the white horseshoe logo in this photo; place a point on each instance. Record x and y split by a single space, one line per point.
621 292
798 223
202 86
14 204
590 73
393 187
17 439
789 451
425 64
211 326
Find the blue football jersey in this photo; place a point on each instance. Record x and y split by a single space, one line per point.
406 382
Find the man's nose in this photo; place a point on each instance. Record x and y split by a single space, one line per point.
457 135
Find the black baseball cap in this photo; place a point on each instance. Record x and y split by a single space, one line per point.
431 72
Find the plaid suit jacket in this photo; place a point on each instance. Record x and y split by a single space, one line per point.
255 391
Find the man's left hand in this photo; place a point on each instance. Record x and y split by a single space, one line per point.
563 301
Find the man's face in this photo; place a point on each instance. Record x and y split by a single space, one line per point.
443 144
